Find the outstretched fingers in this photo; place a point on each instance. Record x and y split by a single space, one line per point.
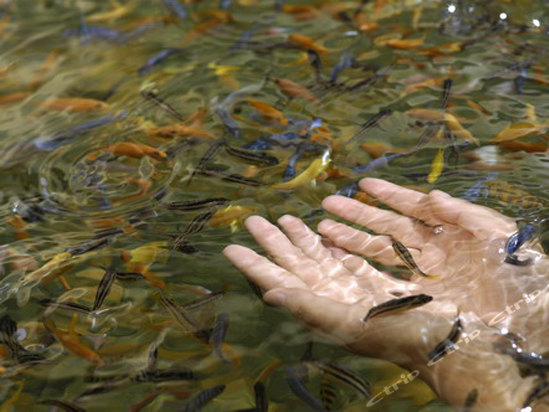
261 270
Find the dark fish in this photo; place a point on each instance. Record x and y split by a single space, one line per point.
89 245
76 307
397 305
345 376
295 379
63 405
212 151
204 300
48 143
232 177
345 61
182 244
218 335
372 121
426 136
164 375
176 8
328 393
540 391
253 157
157 59
224 4
377 163
197 204
516 240
470 400
349 190
104 288
520 81
404 254
8 328
228 121
200 400
316 64
531 360
153 97
446 93
198 223
261 401
442 348
289 171
181 315
129 276
360 7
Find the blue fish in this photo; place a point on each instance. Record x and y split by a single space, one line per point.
295 379
157 59
246 36
345 61
377 163
516 240
349 190
476 191
176 8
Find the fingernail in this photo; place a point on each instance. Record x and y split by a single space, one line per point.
276 299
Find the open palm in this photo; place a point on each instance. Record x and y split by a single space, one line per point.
329 286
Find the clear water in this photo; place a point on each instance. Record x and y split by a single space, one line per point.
60 189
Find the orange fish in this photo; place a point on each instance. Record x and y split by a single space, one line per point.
13 97
457 129
291 89
178 129
74 104
70 341
443 49
518 130
411 88
196 120
232 216
524 146
268 111
307 43
376 149
426 114
477 106
136 150
403 44
300 12
323 136
366 198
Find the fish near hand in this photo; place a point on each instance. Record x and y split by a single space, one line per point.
327 282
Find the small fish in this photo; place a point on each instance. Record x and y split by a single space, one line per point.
291 89
153 97
8 329
345 61
129 276
540 391
261 401
372 122
198 223
470 400
442 348
308 175
135 150
518 130
403 44
164 375
104 288
260 159
379 162
70 306
180 315
510 194
13 97
200 400
397 305
70 341
516 240
115 14
197 204
447 86
178 129
231 216
74 104
436 167
63 405
204 300
345 376
232 177
268 111
295 378
316 64
176 8
157 59
376 149
307 43
218 335
404 254
328 392
459 131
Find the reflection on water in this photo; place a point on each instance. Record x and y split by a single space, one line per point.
136 136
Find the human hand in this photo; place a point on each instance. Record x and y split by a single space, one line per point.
330 289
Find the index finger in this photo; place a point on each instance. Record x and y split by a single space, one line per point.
406 201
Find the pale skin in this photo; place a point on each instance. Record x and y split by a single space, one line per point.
328 284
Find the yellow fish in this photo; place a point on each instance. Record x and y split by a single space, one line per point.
436 168
231 216
119 11
518 130
459 131
315 168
